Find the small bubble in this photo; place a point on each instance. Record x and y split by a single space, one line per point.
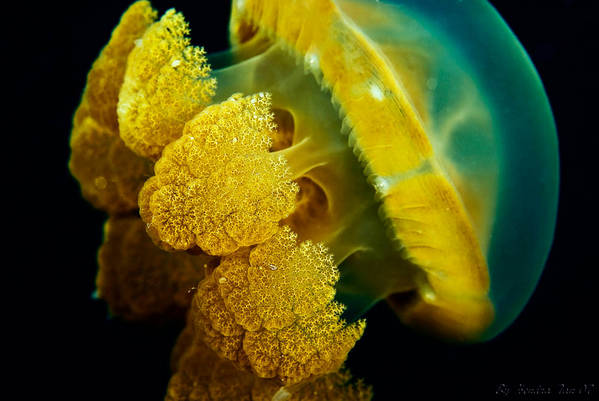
138 42
381 185
234 140
376 92
273 267
312 60
175 63
429 295
222 280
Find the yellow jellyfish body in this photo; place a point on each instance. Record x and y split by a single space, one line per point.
341 153
430 140
417 133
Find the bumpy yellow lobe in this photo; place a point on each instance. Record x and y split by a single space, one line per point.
110 174
272 308
199 374
106 76
166 83
286 282
218 187
138 280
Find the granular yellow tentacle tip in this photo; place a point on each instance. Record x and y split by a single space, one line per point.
166 83
199 374
271 308
218 187
105 78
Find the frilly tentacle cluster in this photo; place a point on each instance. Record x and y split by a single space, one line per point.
136 279
264 302
271 309
217 187
199 374
166 83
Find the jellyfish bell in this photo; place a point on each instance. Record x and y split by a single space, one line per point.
489 122
427 129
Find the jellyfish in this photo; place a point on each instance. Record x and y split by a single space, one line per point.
404 151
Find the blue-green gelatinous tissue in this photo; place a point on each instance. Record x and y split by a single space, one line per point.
489 121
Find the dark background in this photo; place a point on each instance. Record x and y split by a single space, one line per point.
77 352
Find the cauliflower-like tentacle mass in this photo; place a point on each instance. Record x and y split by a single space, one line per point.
199 374
166 83
218 187
109 173
272 308
140 281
